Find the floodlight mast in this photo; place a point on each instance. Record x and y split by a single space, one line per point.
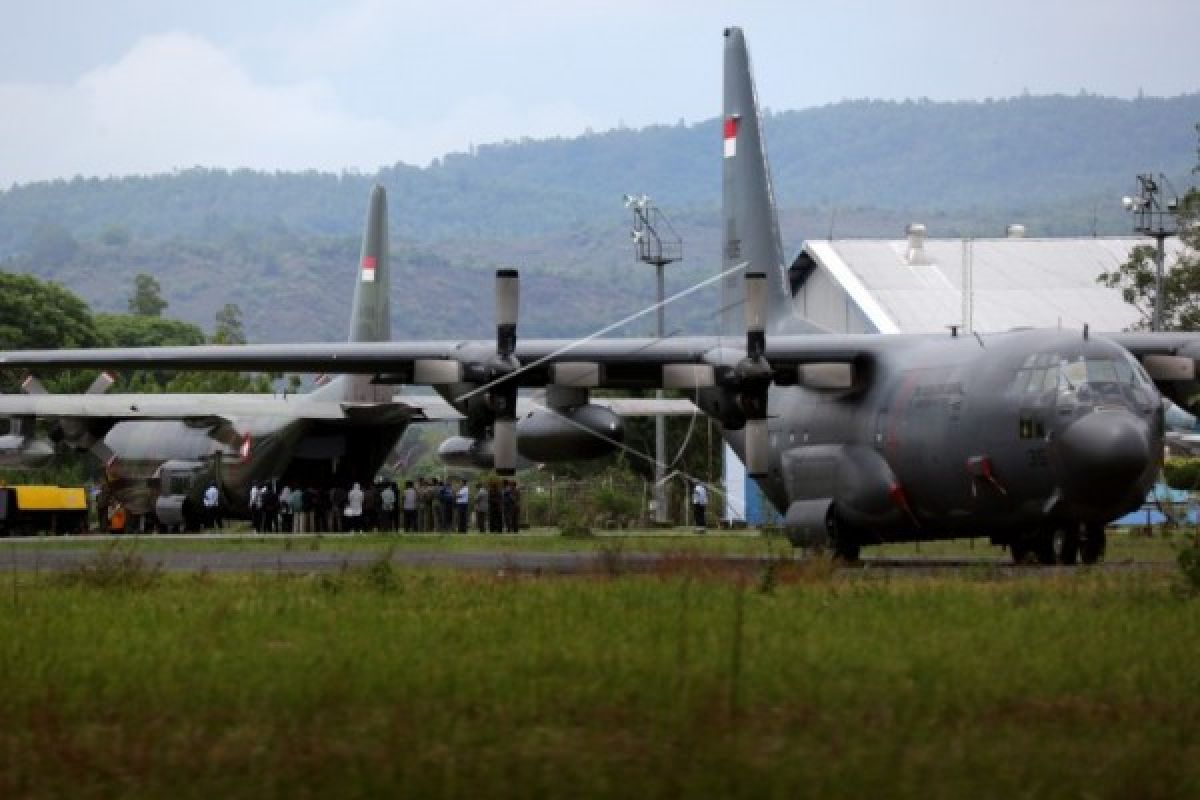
1152 219
655 242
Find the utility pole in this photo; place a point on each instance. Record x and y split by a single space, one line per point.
1151 219
655 242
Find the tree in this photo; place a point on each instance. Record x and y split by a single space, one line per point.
37 315
1181 284
147 299
138 330
135 330
230 329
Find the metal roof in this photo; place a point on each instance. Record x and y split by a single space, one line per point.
1016 282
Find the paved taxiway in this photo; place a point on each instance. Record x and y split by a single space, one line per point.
45 555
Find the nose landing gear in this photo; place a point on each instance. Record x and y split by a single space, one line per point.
1066 544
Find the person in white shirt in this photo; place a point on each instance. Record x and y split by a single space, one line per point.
256 507
354 508
699 504
462 500
212 506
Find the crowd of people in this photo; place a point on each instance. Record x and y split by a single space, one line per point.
424 505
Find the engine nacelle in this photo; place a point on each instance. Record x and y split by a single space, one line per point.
582 432
466 452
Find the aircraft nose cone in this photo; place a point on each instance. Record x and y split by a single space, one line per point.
1105 451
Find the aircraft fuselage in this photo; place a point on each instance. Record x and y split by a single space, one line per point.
961 436
157 458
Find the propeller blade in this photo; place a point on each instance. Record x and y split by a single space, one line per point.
755 374
32 385
504 446
106 455
102 384
508 298
758 448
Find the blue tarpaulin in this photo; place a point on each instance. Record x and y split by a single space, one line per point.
1149 513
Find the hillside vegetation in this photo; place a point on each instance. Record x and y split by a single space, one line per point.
283 245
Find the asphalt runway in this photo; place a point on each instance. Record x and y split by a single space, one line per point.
28 557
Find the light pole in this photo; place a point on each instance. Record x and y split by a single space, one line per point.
655 242
1151 219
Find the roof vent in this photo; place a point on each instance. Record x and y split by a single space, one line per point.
916 245
1016 231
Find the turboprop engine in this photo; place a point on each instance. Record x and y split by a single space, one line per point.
467 452
545 435
568 434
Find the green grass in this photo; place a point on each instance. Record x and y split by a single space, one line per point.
1122 546
378 682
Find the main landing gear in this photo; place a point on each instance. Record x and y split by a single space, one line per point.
1066 544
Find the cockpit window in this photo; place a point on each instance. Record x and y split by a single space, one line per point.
1041 372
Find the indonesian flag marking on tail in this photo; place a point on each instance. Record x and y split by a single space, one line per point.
368 269
731 130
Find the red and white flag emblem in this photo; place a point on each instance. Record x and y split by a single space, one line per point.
368 269
731 130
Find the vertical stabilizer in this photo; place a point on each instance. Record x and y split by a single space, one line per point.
751 227
371 314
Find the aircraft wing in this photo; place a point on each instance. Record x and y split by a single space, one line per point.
1169 357
646 406
1167 343
186 406
433 407
623 363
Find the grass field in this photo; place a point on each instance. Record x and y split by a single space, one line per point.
1122 546
378 681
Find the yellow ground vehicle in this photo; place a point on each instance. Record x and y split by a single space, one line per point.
28 510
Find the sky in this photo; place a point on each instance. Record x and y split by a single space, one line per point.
144 86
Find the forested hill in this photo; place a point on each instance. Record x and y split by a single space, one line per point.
1059 164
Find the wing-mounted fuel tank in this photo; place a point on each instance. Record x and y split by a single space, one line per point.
567 434
467 452
842 486
545 435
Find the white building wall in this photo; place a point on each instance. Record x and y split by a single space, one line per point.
823 301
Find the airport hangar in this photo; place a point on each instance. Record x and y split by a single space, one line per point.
920 284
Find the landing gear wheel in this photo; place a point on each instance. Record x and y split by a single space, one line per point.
1095 541
847 552
1067 544
846 547
1044 548
1020 551
1037 547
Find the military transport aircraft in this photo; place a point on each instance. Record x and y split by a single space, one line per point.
161 450
1034 438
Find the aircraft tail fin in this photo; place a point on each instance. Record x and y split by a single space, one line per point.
751 226
371 313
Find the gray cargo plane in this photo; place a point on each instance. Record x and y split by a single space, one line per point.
1034 438
161 450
